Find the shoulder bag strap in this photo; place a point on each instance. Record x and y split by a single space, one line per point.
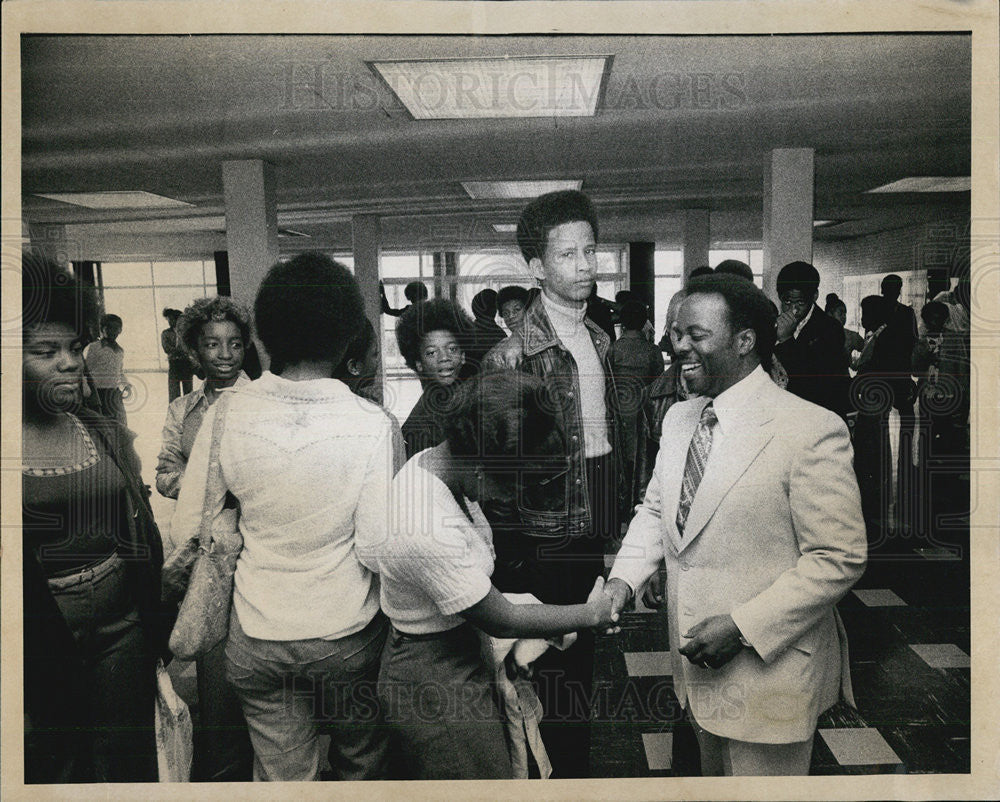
215 482
143 544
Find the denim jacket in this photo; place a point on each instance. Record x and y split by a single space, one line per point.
536 349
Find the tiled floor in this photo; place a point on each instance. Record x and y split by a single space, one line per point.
912 694
908 628
879 597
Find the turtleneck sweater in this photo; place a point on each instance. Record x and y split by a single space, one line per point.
575 338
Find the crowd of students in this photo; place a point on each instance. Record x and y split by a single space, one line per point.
378 557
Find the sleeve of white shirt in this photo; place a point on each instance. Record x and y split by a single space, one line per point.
642 549
192 499
432 554
371 519
170 462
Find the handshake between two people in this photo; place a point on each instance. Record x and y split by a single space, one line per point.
711 643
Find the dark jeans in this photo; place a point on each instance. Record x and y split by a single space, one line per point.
116 741
293 691
438 699
562 571
222 750
873 464
907 498
873 467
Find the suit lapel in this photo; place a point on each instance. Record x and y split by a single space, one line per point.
749 433
812 329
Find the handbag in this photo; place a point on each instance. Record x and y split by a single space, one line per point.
174 731
203 618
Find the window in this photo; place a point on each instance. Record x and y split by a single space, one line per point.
473 271
857 287
751 256
138 292
397 270
497 268
668 267
667 272
488 269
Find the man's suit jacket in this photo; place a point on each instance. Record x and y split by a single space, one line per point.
817 370
897 343
774 537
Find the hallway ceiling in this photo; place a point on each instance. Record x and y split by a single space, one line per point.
682 122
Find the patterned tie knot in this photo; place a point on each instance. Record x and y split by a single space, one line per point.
708 416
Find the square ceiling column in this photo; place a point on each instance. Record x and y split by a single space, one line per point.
251 226
697 239
366 241
789 178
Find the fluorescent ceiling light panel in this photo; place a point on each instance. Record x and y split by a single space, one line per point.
824 223
291 232
507 190
505 228
956 183
459 89
115 200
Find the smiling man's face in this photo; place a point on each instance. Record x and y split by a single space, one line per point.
711 353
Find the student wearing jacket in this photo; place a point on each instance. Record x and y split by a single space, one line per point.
556 552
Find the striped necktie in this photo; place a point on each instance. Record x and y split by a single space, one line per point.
694 468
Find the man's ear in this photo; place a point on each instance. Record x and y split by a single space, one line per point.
419 366
746 341
815 296
536 268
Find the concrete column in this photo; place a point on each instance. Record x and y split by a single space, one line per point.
641 274
366 239
366 235
251 228
697 239
789 177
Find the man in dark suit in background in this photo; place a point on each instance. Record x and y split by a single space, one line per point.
897 341
810 342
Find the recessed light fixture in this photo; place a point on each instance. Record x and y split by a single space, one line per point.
946 183
505 228
507 190
449 89
114 200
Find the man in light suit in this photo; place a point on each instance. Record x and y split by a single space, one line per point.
754 506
